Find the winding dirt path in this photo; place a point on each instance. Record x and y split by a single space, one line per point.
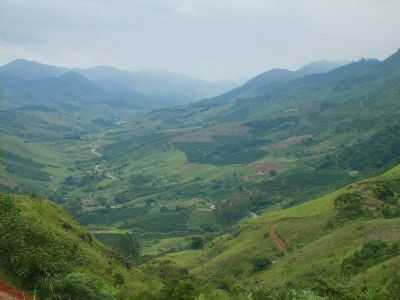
280 244
9 293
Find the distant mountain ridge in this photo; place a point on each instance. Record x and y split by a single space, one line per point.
31 70
257 84
116 82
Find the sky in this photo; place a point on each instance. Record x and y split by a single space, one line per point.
207 39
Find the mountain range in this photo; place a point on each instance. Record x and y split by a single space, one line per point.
286 187
141 88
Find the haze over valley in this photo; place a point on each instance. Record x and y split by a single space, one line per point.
191 150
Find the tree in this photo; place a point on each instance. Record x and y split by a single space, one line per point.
119 279
273 173
393 289
197 243
349 205
261 264
129 246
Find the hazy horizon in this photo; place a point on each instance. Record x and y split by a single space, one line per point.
202 39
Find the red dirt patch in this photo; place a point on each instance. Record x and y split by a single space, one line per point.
294 140
280 244
208 135
230 129
193 137
9 293
265 167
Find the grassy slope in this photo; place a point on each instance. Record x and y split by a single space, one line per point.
314 248
99 260
41 157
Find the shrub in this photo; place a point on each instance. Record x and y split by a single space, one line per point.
119 279
77 286
393 288
370 254
261 264
349 205
197 243
385 193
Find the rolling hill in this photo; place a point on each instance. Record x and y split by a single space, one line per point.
205 166
174 175
254 87
344 245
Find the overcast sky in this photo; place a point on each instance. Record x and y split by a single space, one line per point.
209 39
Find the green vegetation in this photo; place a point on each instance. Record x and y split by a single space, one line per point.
44 251
208 200
340 246
371 253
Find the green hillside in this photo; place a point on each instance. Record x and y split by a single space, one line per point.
162 185
344 245
45 252
200 168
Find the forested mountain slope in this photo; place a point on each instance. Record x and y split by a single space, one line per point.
205 166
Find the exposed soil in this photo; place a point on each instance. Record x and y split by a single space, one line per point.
280 244
266 167
294 140
9 293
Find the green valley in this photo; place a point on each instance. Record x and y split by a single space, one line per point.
137 183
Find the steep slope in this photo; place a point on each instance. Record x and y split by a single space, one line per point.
340 245
46 252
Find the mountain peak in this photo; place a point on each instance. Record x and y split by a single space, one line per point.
31 70
320 66
394 58
270 76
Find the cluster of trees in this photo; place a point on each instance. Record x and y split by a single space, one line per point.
353 205
349 205
224 151
380 151
386 192
370 254
127 245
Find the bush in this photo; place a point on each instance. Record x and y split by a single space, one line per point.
370 254
385 193
261 264
349 205
393 288
119 279
77 286
197 243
